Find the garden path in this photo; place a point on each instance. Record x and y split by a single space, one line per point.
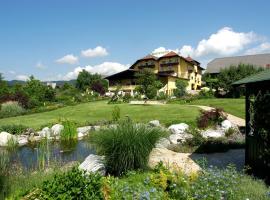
235 120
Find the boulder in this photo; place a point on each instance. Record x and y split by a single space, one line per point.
93 163
45 132
80 135
56 129
179 138
84 129
178 128
226 124
22 140
95 128
5 137
211 133
174 161
33 138
154 123
163 143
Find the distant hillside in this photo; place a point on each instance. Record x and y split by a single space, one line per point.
58 83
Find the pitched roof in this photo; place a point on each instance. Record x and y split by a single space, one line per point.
170 54
149 57
260 60
261 76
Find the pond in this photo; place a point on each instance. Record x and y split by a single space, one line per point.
29 157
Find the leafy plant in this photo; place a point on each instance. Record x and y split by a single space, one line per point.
13 128
126 146
69 132
180 90
74 184
148 83
210 118
116 113
10 109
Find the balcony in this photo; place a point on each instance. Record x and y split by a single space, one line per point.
146 65
169 62
122 87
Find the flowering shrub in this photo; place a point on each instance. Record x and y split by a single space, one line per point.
210 118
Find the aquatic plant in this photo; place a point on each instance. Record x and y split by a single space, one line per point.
70 131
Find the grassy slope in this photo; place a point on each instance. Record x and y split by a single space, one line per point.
100 110
233 106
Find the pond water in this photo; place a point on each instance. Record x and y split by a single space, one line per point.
28 157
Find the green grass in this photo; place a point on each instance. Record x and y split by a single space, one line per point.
233 106
96 111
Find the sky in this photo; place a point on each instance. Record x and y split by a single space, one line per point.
56 39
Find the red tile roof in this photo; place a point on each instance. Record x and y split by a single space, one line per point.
149 57
170 54
189 59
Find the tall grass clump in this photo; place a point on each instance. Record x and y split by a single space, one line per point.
126 146
10 109
70 131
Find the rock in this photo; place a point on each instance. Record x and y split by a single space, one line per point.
174 161
34 138
5 137
80 135
163 143
226 124
95 128
154 123
45 132
178 128
22 140
93 163
84 130
29 131
179 138
210 133
56 129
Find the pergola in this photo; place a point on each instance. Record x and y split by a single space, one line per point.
257 155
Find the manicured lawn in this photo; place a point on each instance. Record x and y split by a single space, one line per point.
96 111
233 106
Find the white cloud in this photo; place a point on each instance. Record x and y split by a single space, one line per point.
105 69
96 52
22 77
262 48
40 65
223 43
68 59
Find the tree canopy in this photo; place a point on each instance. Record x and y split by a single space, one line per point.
148 83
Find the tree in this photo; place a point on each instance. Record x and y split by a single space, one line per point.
148 83
86 80
3 86
211 82
229 75
181 86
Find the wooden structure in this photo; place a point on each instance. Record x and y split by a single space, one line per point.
257 155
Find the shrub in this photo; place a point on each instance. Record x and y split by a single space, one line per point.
74 184
210 118
126 98
204 94
197 138
116 113
10 109
70 131
13 129
126 146
231 131
181 88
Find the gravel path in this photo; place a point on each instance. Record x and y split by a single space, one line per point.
221 160
235 120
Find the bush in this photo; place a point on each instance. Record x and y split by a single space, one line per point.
13 129
210 118
127 146
10 109
126 98
181 88
74 184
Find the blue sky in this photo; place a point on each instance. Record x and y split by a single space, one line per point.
55 39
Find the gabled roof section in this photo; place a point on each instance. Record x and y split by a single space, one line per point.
259 77
149 57
170 54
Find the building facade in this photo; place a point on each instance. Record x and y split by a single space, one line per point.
168 68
